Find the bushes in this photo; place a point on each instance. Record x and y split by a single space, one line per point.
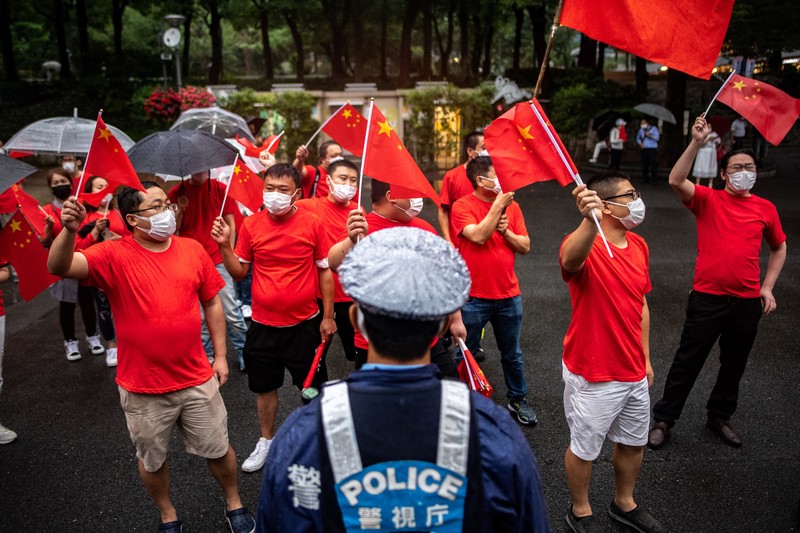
581 96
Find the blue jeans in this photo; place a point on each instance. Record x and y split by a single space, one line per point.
506 318
237 329
244 289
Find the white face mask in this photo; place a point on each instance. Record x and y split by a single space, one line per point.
742 181
636 213
69 166
483 153
162 225
278 203
414 208
496 189
342 192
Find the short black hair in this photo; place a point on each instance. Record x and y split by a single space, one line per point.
480 166
323 149
342 163
58 171
470 141
379 190
129 199
723 163
605 184
283 170
400 339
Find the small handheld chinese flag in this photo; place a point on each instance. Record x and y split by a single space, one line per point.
347 127
246 187
108 159
20 246
770 110
387 160
16 198
470 373
251 150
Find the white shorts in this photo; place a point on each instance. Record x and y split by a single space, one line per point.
615 409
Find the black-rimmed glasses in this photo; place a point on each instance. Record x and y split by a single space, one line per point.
635 195
158 208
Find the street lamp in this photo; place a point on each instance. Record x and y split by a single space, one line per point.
171 39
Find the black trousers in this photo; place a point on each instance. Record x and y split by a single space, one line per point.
650 164
344 328
734 321
616 155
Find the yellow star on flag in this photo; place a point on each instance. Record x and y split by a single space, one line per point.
347 113
385 128
525 132
739 85
105 134
15 226
237 169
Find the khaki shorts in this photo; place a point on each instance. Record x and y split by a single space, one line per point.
198 412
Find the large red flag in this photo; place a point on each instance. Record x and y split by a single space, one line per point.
108 159
770 110
686 35
15 198
347 127
522 152
388 160
20 246
246 187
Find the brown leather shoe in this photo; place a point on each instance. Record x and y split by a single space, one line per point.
725 431
659 436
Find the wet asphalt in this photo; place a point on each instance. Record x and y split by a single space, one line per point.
73 467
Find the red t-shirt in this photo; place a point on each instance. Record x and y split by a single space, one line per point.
377 222
205 201
283 258
491 265
154 298
334 220
455 185
604 338
54 212
730 229
3 263
115 224
308 182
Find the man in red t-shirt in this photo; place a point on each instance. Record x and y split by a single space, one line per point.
285 247
455 183
154 281
606 363
333 211
727 298
489 231
199 202
314 180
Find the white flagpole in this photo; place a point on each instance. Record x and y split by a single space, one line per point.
325 124
720 90
364 153
107 200
575 177
228 188
85 163
275 140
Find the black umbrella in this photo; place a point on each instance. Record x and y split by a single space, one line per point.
180 152
11 171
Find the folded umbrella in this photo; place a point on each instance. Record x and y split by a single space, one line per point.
181 152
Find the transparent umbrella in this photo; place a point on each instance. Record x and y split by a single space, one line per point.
213 120
60 136
655 110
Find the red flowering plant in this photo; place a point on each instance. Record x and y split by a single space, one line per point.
164 105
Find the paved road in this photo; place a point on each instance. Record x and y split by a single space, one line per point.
73 467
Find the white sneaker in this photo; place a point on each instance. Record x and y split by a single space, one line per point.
95 344
73 354
593 161
6 435
258 457
247 311
111 357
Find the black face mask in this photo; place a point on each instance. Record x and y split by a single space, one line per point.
62 192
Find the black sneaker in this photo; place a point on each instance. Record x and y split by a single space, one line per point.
637 518
584 524
524 412
479 355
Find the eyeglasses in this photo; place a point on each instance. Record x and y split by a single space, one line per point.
738 168
635 195
158 208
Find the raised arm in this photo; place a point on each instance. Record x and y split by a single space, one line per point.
63 260
678 177
357 227
578 246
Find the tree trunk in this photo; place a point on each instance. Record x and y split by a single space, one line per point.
384 24
775 61
360 45
477 46
463 23
427 41
7 42
215 31
446 48
601 57
61 38
519 20
337 35
117 10
588 55
297 37
83 35
539 24
641 77
269 71
412 8
672 142
187 43
487 43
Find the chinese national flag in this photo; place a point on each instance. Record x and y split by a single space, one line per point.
522 152
770 110
108 159
686 35
246 187
388 160
20 246
348 127
15 198
251 150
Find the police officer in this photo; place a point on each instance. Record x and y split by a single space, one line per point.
394 447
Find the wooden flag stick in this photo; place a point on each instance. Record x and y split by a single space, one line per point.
546 59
